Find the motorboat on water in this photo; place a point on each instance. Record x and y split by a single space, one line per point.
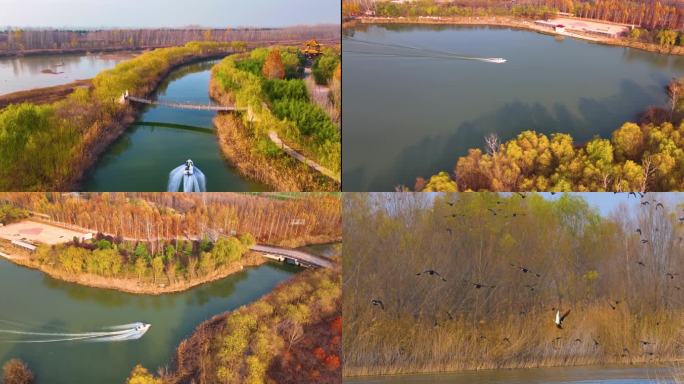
189 168
497 60
143 328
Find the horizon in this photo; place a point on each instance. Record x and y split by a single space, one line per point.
214 14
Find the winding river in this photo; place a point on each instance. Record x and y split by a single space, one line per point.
164 138
410 113
34 302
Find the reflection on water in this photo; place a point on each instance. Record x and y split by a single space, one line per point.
565 375
163 138
36 303
23 73
406 117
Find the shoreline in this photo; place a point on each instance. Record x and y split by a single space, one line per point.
511 22
43 95
618 365
251 259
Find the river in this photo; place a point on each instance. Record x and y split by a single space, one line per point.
24 73
32 301
164 138
406 117
559 375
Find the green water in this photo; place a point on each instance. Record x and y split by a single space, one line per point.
31 301
406 117
560 375
163 138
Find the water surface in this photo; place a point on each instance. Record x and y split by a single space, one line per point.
164 138
31 301
24 73
406 117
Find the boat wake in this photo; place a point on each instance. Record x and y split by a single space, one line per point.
399 50
123 332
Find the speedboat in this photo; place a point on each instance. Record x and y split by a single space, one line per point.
497 60
143 328
189 168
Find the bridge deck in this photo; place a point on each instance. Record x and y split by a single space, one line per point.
200 107
294 254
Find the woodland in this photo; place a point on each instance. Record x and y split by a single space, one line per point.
510 280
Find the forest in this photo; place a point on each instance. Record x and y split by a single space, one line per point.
292 335
510 280
159 217
16 40
268 82
49 147
657 20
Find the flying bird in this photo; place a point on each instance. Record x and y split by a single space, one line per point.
451 204
671 275
480 285
660 205
530 287
645 203
524 269
612 306
522 195
644 342
641 263
644 241
492 211
378 303
638 230
431 272
559 319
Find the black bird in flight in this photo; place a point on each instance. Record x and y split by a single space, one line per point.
596 343
479 285
524 269
645 203
672 275
506 339
644 241
660 205
644 342
632 193
492 211
378 303
530 287
612 306
641 263
559 319
431 272
451 204
638 230
522 195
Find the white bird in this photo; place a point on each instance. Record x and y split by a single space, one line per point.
559 319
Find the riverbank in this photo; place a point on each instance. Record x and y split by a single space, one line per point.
296 325
513 22
44 95
238 145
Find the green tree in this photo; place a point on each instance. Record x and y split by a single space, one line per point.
157 267
140 267
141 252
227 250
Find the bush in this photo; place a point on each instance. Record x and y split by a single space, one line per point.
324 67
16 372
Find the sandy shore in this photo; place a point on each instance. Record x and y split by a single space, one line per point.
43 95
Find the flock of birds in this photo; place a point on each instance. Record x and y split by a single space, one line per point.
559 317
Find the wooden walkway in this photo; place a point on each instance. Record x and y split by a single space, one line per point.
199 107
312 164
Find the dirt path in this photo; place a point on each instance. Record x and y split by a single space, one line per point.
319 93
323 170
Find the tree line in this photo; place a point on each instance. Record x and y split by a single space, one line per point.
485 274
649 14
160 217
26 39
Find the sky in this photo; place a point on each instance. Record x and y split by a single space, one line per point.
167 13
607 202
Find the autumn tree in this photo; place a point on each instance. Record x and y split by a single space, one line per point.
16 371
273 67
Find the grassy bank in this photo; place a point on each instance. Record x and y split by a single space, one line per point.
291 335
43 95
506 265
280 104
52 146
